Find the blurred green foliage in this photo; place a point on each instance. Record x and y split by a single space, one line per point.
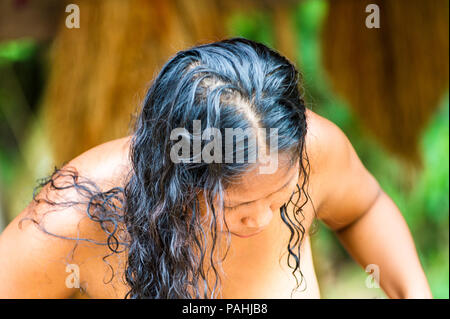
13 53
252 25
16 50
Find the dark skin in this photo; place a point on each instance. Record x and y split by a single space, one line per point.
347 198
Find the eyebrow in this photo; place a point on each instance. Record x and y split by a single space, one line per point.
244 203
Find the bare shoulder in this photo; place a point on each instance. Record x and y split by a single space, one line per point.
326 145
101 170
73 187
37 246
344 187
107 163
323 139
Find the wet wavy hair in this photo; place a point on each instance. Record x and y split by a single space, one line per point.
155 218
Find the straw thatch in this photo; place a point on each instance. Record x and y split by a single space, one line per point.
393 76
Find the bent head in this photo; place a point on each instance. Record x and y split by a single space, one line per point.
221 134
250 206
254 199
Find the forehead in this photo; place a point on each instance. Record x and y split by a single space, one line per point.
253 185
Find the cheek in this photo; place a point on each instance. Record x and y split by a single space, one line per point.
281 199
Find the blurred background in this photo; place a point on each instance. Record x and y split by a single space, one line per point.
64 90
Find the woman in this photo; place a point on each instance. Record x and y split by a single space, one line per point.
213 196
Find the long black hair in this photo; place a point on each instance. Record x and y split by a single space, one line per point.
233 83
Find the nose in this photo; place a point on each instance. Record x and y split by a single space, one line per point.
258 219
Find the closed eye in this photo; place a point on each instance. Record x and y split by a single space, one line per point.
248 203
237 206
